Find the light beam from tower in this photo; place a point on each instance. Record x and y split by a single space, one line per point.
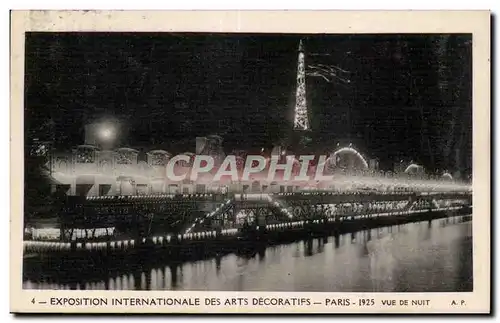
301 120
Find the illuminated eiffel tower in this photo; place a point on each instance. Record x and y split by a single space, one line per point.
301 120
300 139
301 135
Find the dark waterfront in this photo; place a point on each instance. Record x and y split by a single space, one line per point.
417 257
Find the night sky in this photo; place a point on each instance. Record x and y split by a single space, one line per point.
168 88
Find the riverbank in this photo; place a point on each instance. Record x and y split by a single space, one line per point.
209 244
339 262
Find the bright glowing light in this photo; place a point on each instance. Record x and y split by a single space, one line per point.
447 176
106 132
412 167
351 150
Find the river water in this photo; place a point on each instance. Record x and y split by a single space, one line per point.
417 257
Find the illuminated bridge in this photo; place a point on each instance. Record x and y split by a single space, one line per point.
120 223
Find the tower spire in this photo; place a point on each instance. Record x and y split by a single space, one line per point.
301 119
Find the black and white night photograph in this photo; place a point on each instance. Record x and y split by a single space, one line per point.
271 162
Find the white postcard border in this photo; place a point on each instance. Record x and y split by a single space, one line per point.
373 22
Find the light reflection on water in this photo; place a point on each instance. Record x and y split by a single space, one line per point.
415 257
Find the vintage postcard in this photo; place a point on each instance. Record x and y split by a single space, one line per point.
250 162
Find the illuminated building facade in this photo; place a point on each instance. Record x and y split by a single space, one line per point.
90 171
96 168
